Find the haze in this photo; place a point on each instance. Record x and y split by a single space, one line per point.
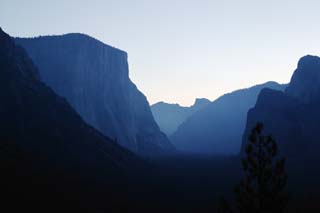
179 50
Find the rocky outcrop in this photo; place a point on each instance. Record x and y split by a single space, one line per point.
305 81
94 79
170 116
218 127
292 116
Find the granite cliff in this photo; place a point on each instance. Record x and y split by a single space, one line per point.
94 78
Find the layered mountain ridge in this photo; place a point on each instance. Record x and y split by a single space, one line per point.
218 127
170 116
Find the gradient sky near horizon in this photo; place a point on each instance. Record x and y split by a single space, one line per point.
182 49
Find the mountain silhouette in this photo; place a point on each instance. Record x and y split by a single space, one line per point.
292 116
170 116
218 127
49 155
94 78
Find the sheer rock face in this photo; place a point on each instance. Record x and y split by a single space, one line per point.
40 122
93 77
292 116
170 116
218 127
46 147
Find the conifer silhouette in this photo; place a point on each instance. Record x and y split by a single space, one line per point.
262 188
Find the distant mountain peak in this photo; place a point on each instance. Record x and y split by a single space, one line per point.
201 101
217 128
170 116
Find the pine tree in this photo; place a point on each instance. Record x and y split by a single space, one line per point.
261 190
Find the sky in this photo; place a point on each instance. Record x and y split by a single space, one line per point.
180 50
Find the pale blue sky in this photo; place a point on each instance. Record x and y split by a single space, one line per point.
183 49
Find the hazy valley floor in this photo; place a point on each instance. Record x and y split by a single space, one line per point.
190 183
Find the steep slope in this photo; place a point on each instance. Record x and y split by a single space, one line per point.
170 116
218 128
48 153
94 78
292 116
305 82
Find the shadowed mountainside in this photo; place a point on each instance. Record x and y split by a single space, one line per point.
292 117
